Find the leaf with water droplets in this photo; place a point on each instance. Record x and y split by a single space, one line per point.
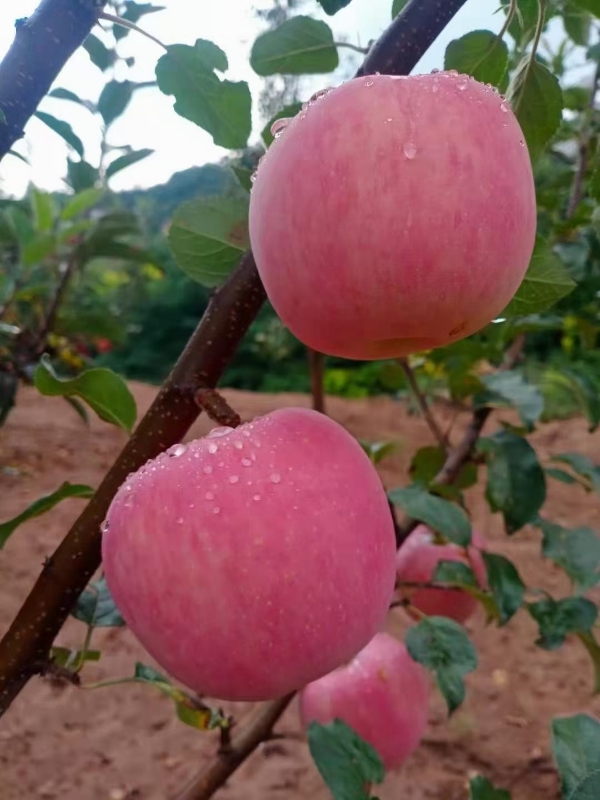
480 54
536 99
42 505
102 389
299 46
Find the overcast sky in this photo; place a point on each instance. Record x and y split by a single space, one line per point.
149 120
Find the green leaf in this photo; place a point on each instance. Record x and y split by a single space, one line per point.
66 94
523 24
505 584
96 607
223 108
114 99
583 391
594 185
583 466
208 235
593 6
536 98
480 54
126 161
588 640
190 710
99 54
481 789
135 11
347 763
560 475
81 202
511 388
63 129
429 460
442 645
377 451
42 505
440 515
454 572
516 484
333 6
558 618
287 112
44 210
299 46
397 7
102 389
17 155
81 175
244 177
576 550
73 659
576 748
105 248
577 23
38 249
545 283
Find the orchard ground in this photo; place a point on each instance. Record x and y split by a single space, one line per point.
125 742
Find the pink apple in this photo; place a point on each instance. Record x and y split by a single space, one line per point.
416 562
394 214
382 694
254 560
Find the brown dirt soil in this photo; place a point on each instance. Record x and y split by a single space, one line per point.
125 742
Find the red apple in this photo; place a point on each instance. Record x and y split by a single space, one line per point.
382 694
394 214
253 560
416 562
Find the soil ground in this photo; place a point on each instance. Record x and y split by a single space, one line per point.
125 742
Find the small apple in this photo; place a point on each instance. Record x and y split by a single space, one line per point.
382 694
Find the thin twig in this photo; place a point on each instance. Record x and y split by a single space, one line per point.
423 404
316 366
584 149
125 23
251 732
217 408
463 452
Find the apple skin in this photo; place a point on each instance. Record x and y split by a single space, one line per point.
394 215
250 563
382 694
416 561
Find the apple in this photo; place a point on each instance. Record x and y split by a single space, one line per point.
416 562
253 560
382 694
394 215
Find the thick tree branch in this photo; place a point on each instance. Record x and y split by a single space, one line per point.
229 314
256 729
202 363
42 46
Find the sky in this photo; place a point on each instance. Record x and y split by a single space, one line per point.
149 121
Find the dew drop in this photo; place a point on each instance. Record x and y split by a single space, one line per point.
434 71
216 510
256 497
389 119
233 479
246 462
278 127
180 521
521 142
410 149
210 495
462 87
216 433
369 82
435 87
177 450
212 448
275 477
452 72
207 470
504 107
238 445
105 526
318 95
253 177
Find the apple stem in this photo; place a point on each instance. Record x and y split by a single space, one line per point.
423 404
216 407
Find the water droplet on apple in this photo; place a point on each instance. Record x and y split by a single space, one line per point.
369 82
246 462
410 149
212 448
233 479
177 450
210 495
216 510
256 497
278 127
238 445
434 71
216 433
207 470
105 526
503 107
275 477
